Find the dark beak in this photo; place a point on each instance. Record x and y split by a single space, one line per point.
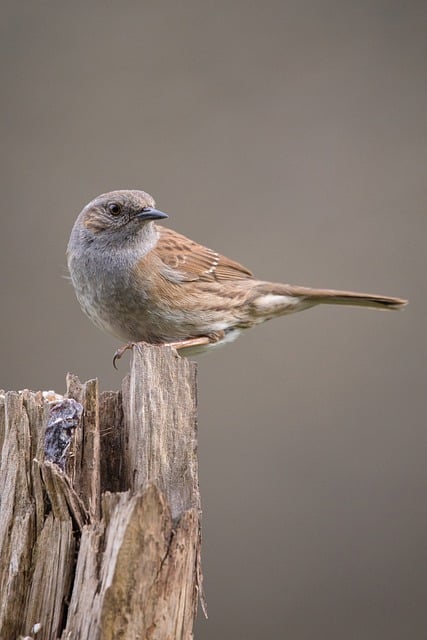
148 213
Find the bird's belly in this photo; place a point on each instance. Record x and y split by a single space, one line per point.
118 308
141 321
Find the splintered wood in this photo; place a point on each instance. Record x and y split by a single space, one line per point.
100 507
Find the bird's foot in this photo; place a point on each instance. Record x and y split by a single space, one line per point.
120 351
200 341
180 344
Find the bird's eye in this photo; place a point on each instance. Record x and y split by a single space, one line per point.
114 208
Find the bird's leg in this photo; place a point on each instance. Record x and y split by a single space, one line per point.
200 341
182 344
190 342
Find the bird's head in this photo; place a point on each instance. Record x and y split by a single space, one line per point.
117 216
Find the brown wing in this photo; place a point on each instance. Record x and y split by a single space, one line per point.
194 261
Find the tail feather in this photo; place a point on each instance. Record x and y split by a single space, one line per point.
332 296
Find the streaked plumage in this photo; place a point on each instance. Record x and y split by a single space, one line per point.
142 282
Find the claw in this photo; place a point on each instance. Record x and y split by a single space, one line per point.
120 352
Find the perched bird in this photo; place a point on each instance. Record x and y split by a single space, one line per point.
145 283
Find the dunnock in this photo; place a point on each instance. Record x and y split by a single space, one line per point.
145 283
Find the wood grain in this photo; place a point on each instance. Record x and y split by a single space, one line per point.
108 544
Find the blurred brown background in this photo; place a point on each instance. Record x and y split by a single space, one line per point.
291 136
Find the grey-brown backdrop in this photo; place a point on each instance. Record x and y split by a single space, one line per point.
290 135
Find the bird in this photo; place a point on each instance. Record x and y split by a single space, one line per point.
142 282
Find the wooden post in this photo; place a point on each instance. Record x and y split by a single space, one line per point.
100 507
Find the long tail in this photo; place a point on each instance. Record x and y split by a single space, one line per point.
274 299
332 296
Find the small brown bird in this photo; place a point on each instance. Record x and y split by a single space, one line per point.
145 283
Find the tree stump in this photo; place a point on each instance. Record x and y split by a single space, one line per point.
100 507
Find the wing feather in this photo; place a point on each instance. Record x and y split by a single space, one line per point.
194 261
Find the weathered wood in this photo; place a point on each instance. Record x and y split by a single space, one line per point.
161 391
112 441
132 572
84 467
53 561
17 521
101 538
